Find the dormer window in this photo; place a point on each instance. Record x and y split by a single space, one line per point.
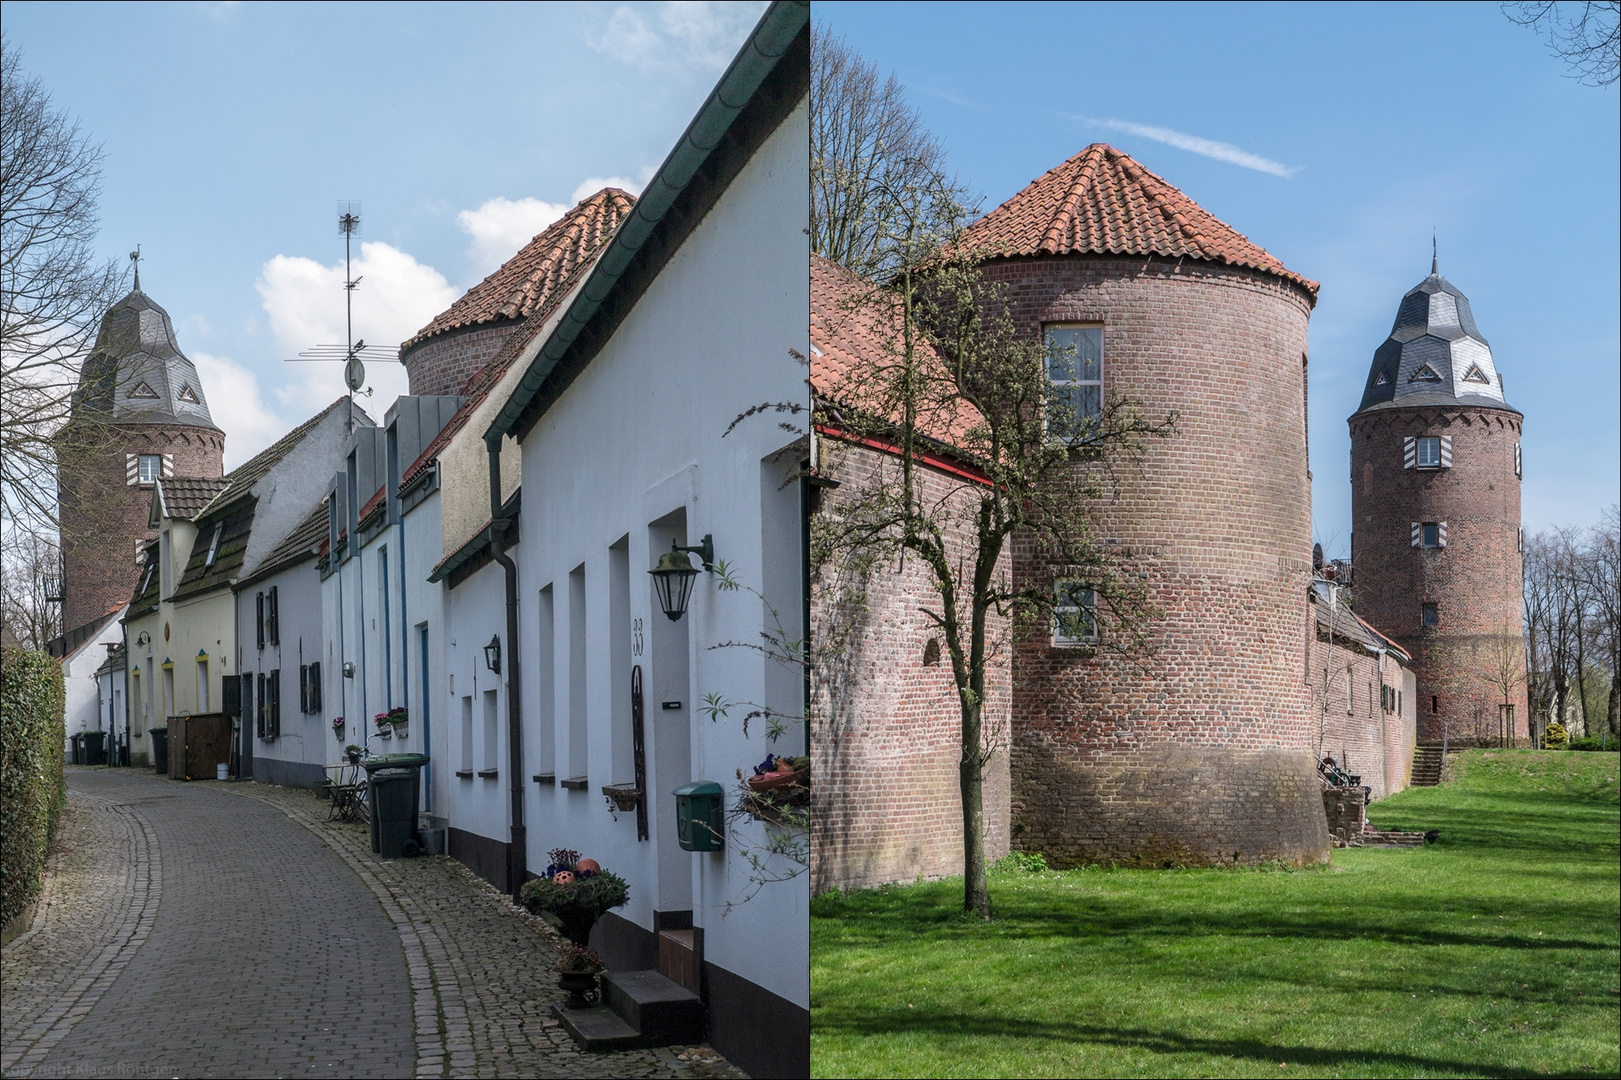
143 391
188 394
1382 379
1426 374
1475 375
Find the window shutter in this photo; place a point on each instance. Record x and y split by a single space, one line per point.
168 466
275 703
1516 459
1418 534
132 469
315 687
275 618
1446 451
303 688
259 707
1520 541
259 617
1441 534
1409 451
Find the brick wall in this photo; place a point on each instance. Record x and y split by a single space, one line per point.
103 514
443 364
886 726
1362 734
1202 751
1475 580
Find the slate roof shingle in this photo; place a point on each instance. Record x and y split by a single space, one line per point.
1102 202
525 282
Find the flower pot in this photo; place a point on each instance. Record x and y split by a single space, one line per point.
402 730
772 781
581 987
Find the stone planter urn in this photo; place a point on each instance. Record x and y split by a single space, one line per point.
581 987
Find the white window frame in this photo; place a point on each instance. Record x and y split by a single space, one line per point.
1428 450
214 544
152 475
1047 332
1083 608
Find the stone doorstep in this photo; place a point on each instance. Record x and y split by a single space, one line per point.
661 1009
598 1028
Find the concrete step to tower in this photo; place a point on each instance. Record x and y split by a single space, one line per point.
1427 762
661 1010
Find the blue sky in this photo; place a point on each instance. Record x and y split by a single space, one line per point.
231 131
1356 129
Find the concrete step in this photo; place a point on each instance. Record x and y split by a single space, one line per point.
661 1010
598 1028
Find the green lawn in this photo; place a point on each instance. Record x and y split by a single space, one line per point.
1492 953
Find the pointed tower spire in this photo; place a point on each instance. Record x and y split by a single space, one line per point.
1435 255
135 257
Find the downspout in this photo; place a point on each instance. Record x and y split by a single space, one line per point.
517 849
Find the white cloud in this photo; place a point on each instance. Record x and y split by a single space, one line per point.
500 227
1209 148
397 296
238 407
678 35
594 184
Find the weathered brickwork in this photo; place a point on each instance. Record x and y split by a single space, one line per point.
1474 581
103 515
1373 732
1203 751
444 364
886 725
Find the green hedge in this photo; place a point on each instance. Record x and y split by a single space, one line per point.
32 787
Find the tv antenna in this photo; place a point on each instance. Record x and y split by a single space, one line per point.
353 353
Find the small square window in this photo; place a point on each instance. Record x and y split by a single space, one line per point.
151 468
1432 534
1429 452
1432 615
1075 620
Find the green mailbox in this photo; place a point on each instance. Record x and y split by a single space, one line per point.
700 816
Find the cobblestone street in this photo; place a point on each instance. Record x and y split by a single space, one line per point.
228 929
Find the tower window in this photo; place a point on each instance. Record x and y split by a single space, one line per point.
1432 615
151 468
1075 378
1474 374
1074 613
1425 374
1429 452
1432 534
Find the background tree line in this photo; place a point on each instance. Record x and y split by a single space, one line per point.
1573 625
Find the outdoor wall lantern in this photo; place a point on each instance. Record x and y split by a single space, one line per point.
492 654
673 575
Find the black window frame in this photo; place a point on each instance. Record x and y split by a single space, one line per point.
273 621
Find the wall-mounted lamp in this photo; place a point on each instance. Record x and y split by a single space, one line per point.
492 654
673 575
348 669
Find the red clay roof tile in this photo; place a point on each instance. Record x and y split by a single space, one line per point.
526 281
1101 202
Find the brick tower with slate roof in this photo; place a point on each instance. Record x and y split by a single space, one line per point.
1435 504
1200 750
139 415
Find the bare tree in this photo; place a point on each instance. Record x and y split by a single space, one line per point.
29 588
53 292
1583 34
868 147
1502 661
1599 572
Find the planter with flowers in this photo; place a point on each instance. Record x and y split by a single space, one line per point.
385 726
577 970
779 791
574 893
337 728
399 720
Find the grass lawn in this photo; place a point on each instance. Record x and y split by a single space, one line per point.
1492 953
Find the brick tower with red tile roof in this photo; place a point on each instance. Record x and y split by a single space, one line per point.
443 356
1200 752
1435 505
139 415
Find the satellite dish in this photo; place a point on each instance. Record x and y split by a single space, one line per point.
354 373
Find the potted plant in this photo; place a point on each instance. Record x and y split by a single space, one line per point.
337 728
400 720
352 752
779 791
575 893
577 969
385 726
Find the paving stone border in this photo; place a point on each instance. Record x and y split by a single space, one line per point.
482 978
103 883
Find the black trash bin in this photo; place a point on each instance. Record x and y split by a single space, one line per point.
76 752
395 792
160 749
95 753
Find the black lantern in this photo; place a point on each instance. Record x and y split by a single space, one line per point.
673 575
492 654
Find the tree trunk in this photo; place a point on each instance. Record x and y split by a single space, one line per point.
976 895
